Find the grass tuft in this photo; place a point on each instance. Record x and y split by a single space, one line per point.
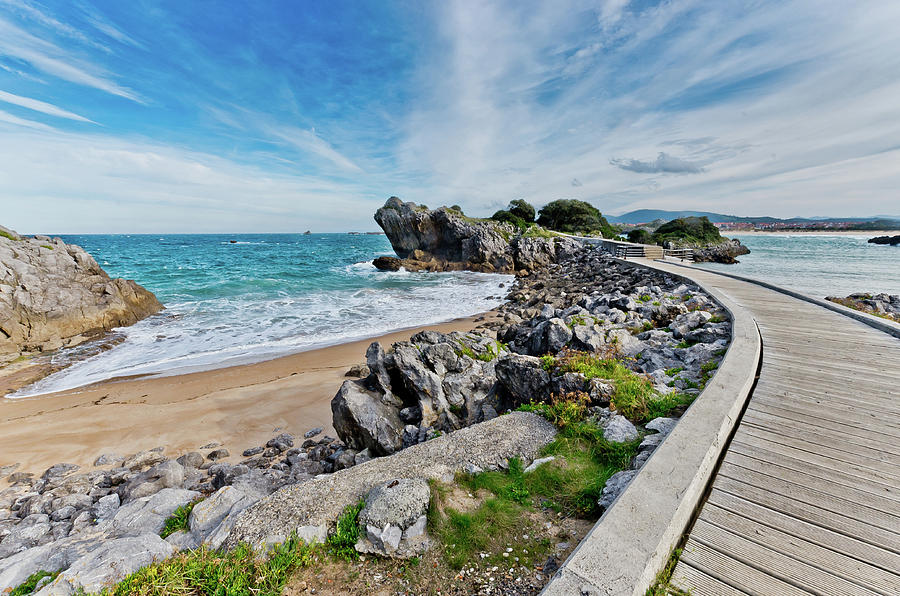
341 543
28 586
179 520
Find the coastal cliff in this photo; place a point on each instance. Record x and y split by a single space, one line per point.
54 294
446 240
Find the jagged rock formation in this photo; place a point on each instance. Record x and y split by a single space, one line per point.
880 305
54 294
445 240
891 240
724 252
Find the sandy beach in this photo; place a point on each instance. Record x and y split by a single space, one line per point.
239 407
867 233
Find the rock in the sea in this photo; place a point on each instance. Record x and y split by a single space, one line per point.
891 240
387 263
724 252
51 291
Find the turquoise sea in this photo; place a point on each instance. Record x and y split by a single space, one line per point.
818 265
241 298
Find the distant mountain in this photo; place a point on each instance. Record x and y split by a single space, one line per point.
641 216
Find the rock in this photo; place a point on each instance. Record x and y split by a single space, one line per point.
19 477
688 322
662 425
217 454
891 240
106 507
387 264
252 451
108 459
484 446
393 510
523 378
109 563
363 421
144 459
194 459
619 430
537 463
359 371
212 519
51 295
168 474
724 252
313 432
614 487
558 335
58 470
149 514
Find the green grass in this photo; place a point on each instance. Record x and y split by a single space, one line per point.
671 372
717 319
491 353
28 586
46 246
633 391
536 231
7 235
668 405
178 520
215 573
341 543
707 370
661 585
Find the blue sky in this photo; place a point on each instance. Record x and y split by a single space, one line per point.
286 116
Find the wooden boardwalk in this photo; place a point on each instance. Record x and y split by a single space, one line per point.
807 498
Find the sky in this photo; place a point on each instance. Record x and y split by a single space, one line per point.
203 116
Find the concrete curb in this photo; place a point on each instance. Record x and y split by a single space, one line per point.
633 540
870 320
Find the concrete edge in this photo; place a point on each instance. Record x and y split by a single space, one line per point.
632 541
872 321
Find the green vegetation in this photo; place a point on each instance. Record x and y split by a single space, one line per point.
717 319
522 209
178 520
671 372
28 586
46 246
668 405
216 573
7 235
640 236
575 217
536 231
505 216
661 585
491 352
688 231
341 542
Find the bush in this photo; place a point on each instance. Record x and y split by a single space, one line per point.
640 236
522 209
505 216
688 230
575 217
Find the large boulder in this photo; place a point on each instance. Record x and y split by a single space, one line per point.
523 378
394 518
53 294
364 421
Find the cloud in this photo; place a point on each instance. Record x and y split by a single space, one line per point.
40 106
52 60
10 119
664 164
309 142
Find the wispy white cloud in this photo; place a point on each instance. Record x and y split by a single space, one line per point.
51 59
10 119
41 106
309 142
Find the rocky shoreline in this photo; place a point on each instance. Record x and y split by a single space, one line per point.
55 295
882 305
413 393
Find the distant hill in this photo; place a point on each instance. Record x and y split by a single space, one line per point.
647 215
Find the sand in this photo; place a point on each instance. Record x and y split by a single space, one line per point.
867 233
239 407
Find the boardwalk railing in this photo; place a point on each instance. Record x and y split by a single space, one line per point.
680 253
622 249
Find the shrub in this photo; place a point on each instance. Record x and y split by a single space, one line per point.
640 236
178 520
688 230
575 217
505 216
522 209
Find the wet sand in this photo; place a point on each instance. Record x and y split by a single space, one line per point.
239 407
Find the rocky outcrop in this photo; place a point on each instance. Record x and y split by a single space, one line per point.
890 240
54 294
445 240
724 252
880 305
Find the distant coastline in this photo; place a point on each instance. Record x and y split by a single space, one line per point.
866 233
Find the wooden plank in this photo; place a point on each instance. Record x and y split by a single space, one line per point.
831 369
777 564
736 573
690 579
822 536
776 467
824 559
840 456
854 399
821 464
764 413
871 423
813 514
861 384
849 406
813 498
819 437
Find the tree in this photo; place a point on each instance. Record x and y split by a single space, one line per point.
522 209
640 236
508 217
688 230
575 217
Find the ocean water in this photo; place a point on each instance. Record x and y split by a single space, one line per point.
818 265
259 297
